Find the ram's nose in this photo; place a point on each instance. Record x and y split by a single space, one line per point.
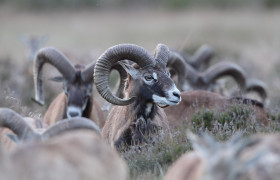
73 114
73 111
177 94
174 95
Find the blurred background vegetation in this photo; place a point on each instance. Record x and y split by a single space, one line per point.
170 4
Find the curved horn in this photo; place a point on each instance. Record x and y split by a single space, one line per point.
162 53
69 125
184 70
87 73
123 77
257 86
15 122
202 57
225 69
57 59
105 62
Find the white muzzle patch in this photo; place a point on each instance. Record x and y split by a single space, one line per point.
173 98
74 111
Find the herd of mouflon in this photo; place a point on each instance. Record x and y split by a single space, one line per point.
172 115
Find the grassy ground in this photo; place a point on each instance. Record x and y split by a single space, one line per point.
249 37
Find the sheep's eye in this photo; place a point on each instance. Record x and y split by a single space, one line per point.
148 78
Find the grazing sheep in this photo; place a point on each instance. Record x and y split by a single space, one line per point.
256 157
72 156
190 78
25 130
148 86
77 99
195 101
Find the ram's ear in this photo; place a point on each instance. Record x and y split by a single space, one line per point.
134 73
57 79
13 137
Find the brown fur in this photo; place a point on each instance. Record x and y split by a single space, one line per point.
187 167
193 101
72 156
57 111
117 122
257 157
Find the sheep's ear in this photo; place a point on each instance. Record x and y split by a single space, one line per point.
134 73
204 143
13 137
57 79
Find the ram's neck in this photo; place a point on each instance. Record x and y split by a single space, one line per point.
139 119
142 109
143 106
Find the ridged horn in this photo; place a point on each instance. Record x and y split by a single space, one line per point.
184 70
105 62
202 57
257 86
225 69
123 77
66 125
15 122
58 60
87 73
162 53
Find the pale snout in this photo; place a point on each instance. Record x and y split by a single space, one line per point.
173 97
74 111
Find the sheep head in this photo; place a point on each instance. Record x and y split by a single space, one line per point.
77 80
149 77
77 90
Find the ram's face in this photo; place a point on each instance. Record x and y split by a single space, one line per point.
78 95
155 84
163 90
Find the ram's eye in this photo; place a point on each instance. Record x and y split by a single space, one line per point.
148 78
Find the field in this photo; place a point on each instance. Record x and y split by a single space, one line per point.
249 36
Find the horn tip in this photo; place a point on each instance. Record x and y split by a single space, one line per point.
40 102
